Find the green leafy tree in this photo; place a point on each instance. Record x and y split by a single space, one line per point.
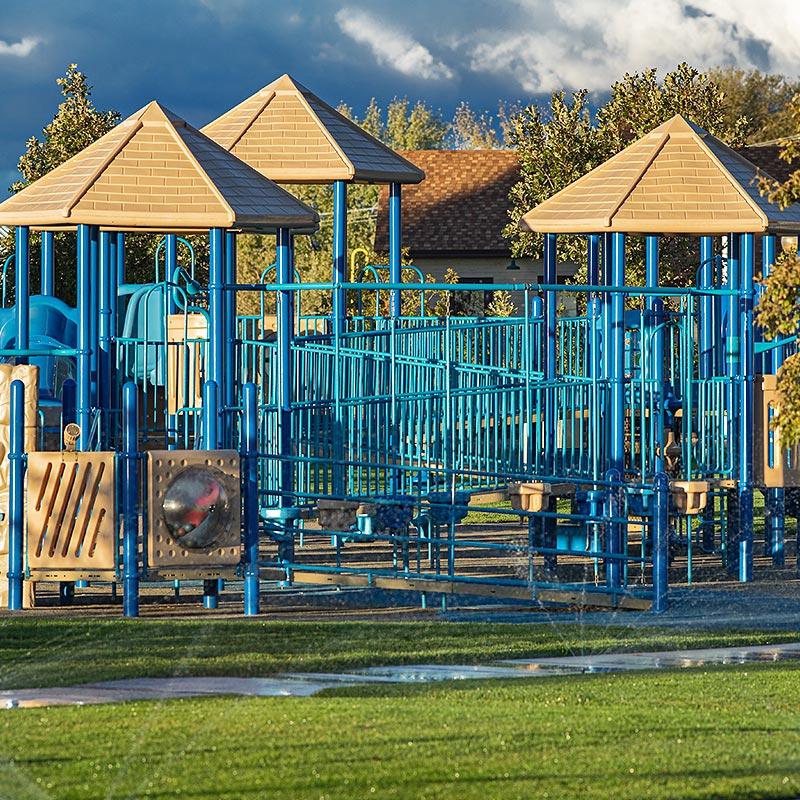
558 146
501 305
762 98
471 131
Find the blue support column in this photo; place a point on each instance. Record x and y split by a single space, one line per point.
617 531
550 276
22 303
84 367
210 415
655 307
16 495
250 487
286 385
775 500
733 409
706 281
94 290
120 259
395 248
48 285
170 265
216 312
130 501
661 543
746 415
340 253
106 288
231 340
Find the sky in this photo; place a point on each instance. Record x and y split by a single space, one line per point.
200 57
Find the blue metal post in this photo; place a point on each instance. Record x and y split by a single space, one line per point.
395 254
170 265
22 294
130 501
550 274
746 415
120 259
617 531
339 253
48 287
210 415
104 393
67 402
732 333
775 502
250 463
231 337
285 268
16 495
706 281
84 376
216 312
94 289
655 306
661 543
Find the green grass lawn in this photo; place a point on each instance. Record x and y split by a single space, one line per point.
38 651
724 733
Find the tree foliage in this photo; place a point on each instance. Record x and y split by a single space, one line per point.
762 98
559 145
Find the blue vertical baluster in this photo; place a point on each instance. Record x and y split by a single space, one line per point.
22 294
48 287
16 495
84 388
395 248
250 465
130 501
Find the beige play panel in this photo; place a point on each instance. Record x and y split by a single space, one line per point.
194 513
773 466
71 516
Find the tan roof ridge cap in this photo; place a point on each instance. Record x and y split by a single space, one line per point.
658 146
191 156
736 185
135 125
250 120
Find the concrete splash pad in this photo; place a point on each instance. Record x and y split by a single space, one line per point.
307 684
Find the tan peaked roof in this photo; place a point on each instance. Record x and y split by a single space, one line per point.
676 179
287 133
155 172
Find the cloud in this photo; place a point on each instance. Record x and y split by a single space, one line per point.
21 49
391 47
566 44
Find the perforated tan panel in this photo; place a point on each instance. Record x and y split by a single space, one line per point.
29 376
71 512
165 555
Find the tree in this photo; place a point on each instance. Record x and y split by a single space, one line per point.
470 131
558 147
762 98
501 305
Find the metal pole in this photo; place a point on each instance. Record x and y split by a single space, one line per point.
170 265
340 253
250 464
231 336
286 383
617 416
706 279
216 314
120 259
47 287
746 410
550 270
84 376
104 393
210 415
16 495
661 543
655 306
395 254
94 291
22 294
130 498
732 333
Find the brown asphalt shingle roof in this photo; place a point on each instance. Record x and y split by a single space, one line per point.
767 157
460 208
288 134
155 172
676 179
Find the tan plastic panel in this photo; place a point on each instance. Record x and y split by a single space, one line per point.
153 170
71 515
774 466
165 555
29 376
184 360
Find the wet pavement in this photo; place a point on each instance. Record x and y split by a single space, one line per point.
307 684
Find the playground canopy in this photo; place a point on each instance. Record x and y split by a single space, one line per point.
292 136
155 172
676 179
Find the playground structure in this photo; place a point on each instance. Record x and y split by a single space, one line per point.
349 449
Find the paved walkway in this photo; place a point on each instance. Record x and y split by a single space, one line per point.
306 684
